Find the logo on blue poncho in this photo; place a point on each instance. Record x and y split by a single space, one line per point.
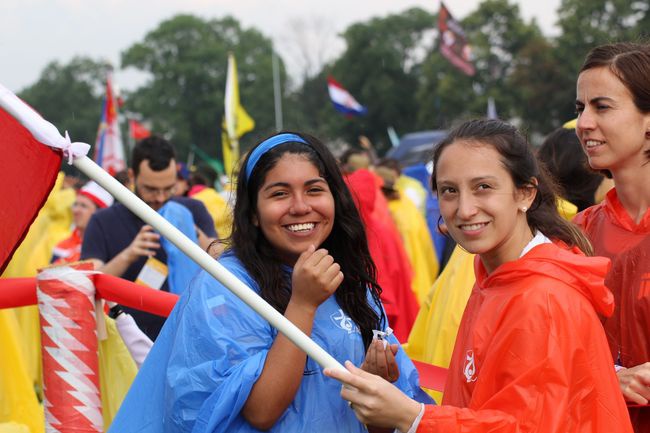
341 320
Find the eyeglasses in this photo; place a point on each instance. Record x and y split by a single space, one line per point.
156 191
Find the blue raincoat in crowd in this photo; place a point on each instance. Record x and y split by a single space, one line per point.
211 352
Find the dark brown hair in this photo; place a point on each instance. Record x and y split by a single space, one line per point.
565 160
347 242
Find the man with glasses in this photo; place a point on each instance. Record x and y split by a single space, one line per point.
121 244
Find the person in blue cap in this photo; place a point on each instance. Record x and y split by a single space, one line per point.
299 242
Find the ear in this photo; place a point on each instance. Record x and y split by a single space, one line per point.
255 221
131 175
526 195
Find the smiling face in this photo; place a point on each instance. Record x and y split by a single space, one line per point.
295 207
481 207
610 127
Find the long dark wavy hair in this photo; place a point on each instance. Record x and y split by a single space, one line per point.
519 160
347 242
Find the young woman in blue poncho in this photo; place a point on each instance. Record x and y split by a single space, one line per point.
299 242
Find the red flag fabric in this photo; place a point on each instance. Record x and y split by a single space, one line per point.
453 44
137 130
28 170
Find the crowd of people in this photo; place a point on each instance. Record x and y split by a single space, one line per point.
524 272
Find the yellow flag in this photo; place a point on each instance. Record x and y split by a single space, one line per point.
236 121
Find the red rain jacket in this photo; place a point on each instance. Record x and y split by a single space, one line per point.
627 244
531 354
394 270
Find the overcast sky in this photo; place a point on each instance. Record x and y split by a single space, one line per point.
35 32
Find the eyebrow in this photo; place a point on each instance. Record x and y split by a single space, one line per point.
595 100
472 180
286 185
155 187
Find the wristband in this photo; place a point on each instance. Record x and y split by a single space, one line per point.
115 311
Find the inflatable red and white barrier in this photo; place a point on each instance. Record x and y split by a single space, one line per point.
66 299
66 303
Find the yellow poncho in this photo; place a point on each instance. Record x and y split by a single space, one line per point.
433 335
18 402
217 208
417 241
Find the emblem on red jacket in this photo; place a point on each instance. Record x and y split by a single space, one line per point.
470 367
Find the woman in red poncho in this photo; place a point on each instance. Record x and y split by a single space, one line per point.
531 354
613 104
394 272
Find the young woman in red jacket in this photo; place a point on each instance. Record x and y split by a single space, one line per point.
531 354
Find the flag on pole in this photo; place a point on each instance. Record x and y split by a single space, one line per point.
343 101
491 109
28 168
28 174
109 149
137 130
453 44
236 120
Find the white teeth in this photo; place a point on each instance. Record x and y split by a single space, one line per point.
301 227
592 143
471 227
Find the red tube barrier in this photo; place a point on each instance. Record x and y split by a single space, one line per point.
20 292
17 292
66 304
431 376
134 295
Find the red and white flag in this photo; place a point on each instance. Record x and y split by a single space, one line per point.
109 148
137 130
31 158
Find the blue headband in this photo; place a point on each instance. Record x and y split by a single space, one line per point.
267 145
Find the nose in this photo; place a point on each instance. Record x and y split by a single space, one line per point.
160 196
586 121
466 206
299 206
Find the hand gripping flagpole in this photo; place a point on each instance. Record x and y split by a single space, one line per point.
48 134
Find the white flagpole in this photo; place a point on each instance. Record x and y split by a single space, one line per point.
277 92
48 134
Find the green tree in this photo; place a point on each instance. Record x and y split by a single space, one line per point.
378 67
70 96
500 39
186 58
584 25
535 79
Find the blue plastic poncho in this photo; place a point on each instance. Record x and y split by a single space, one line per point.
181 268
210 353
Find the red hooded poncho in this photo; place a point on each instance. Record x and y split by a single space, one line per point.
531 354
616 236
387 251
